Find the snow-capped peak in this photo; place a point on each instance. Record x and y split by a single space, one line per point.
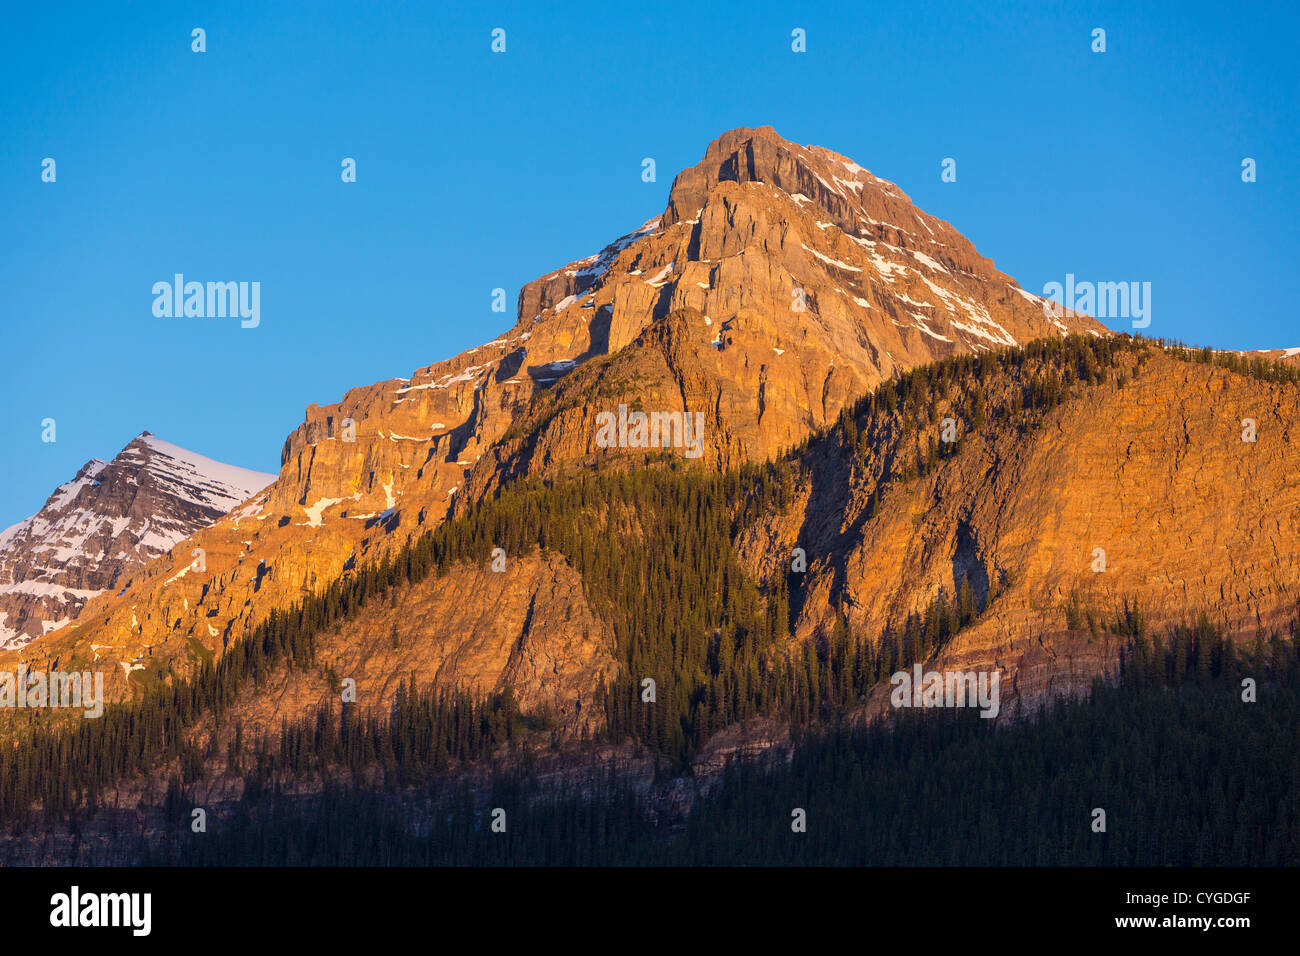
108 521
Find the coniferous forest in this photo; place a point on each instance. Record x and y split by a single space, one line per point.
1188 775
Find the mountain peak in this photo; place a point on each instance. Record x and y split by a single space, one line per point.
108 521
729 140
763 156
819 277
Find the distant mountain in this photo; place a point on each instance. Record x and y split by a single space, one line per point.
107 522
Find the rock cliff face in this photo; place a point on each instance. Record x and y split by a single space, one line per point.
108 522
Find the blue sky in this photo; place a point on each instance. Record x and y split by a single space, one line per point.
478 170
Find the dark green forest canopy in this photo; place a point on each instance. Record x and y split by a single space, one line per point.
1188 774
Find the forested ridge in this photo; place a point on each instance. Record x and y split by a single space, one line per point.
655 549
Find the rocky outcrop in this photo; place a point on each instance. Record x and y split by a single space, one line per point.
527 627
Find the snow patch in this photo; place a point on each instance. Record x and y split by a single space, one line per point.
834 262
315 511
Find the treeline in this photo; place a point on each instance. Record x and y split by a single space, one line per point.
1254 366
1000 384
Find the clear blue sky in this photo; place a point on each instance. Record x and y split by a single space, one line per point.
478 170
